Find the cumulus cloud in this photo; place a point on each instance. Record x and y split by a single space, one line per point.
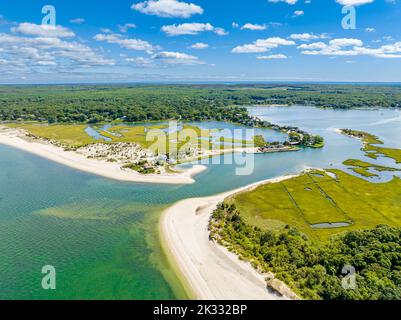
298 13
125 27
254 27
306 36
191 29
164 58
220 31
130 44
168 8
42 30
313 46
351 47
200 46
141 62
27 54
176 58
273 57
346 42
291 2
354 2
263 45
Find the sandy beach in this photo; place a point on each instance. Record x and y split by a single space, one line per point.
15 139
210 271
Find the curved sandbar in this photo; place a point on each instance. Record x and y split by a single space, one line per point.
15 139
210 270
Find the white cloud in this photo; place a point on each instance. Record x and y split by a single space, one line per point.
351 47
370 29
176 58
291 2
298 13
168 8
273 57
125 27
220 31
141 62
345 42
42 30
306 36
131 44
77 21
250 48
331 52
28 54
165 58
263 45
354 2
200 46
191 29
187 29
313 46
387 51
254 27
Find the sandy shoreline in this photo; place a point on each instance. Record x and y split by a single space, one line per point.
210 271
14 138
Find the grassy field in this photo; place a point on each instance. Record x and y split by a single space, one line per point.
372 145
74 136
306 229
316 198
69 135
362 168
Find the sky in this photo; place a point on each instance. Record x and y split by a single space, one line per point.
200 41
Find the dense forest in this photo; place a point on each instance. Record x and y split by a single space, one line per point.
96 103
315 270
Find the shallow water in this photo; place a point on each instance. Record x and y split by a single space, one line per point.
330 225
101 235
96 135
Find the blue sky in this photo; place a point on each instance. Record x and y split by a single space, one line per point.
199 40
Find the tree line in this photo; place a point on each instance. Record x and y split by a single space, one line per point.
316 270
133 103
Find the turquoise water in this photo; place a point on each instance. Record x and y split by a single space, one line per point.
101 235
